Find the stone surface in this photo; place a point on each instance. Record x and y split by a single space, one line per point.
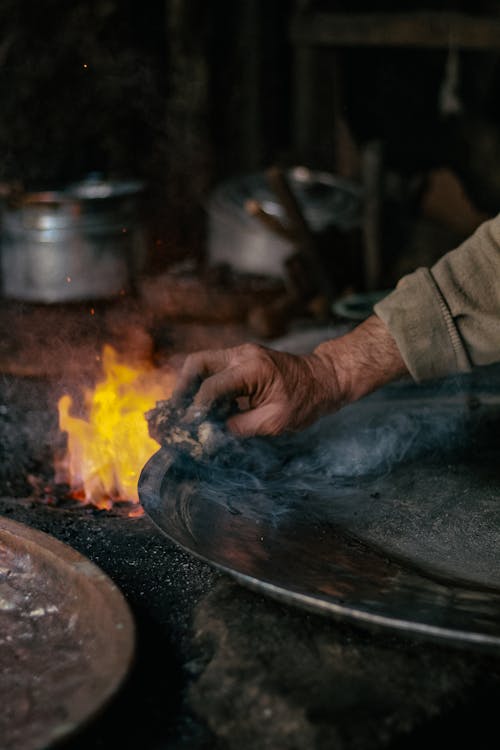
275 677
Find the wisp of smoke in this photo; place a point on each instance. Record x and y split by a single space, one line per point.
360 441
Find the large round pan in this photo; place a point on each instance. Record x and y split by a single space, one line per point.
66 638
413 549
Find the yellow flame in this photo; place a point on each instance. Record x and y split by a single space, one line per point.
107 450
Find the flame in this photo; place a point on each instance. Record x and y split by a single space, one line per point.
107 450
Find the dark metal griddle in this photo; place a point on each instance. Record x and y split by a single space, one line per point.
414 546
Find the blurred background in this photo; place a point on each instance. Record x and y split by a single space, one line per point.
390 110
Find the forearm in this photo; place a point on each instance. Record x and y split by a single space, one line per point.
362 361
447 319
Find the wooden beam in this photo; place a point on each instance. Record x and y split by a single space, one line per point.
427 30
371 167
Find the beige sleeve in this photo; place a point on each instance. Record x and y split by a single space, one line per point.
446 319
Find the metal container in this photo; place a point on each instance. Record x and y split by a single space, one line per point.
244 244
85 242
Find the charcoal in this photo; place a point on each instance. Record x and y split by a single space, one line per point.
196 438
25 447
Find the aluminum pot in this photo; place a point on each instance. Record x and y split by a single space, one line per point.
243 243
82 243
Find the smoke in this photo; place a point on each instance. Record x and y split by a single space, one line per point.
365 440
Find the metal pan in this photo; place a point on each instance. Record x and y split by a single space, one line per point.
66 638
413 549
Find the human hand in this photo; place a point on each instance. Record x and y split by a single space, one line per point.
287 392
284 392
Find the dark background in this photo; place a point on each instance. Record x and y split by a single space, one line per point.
185 94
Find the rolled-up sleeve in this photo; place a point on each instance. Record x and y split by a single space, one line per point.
446 319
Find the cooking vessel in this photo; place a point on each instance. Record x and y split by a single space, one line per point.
244 244
67 639
84 242
403 535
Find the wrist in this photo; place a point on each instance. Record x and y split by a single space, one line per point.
361 361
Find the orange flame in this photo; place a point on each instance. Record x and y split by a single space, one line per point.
107 450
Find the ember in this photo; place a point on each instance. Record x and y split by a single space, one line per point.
107 449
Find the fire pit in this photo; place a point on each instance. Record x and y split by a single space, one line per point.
205 643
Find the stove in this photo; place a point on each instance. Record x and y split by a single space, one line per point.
220 666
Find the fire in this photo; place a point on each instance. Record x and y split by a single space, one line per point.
107 450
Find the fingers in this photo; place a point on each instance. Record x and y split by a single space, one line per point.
244 373
197 366
226 383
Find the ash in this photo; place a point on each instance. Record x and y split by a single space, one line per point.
28 434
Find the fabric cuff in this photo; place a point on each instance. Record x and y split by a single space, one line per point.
420 322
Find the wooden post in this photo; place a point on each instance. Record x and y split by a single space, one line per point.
189 166
371 161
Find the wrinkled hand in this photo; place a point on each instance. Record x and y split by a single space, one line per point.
285 392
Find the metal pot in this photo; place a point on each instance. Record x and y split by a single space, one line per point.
85 242
243 243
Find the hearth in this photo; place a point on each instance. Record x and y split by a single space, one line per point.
160 582
206 644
